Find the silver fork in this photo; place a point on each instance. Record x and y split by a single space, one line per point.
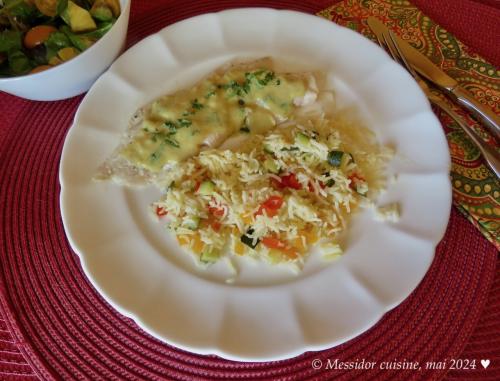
492 158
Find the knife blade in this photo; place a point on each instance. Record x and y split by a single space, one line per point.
438 77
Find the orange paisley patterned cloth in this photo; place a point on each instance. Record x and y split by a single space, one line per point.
476 190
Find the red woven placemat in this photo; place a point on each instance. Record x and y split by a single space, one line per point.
55 325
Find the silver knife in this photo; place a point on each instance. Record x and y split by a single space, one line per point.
438 77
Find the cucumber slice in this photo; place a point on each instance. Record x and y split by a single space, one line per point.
206 188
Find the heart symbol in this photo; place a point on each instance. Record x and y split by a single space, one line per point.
485 363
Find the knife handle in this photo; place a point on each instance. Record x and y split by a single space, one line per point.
490 120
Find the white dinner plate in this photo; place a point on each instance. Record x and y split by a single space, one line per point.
268 313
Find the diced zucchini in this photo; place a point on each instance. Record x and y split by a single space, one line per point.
192 222
210 256
268 149
206 188
271 165
339 159
302 140
249 240
275 256
335 158
361 188
346 160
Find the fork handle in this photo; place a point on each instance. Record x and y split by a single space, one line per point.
490 155
488 117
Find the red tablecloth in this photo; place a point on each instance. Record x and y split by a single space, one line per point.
53 325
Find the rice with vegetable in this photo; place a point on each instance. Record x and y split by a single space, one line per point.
277 195
253 162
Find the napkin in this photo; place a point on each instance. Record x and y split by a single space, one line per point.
476 190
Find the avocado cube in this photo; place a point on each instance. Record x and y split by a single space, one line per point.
79 19
101 13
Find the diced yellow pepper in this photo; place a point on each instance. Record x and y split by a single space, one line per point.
239 248
311 236
247 219
67 53
197 244
55 61
299 244
183 239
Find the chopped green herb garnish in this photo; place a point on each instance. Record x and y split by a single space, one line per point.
208 95
290 149
241 102
172 142
239 89
278 82
267 78
171 126
157 154
196 105
183 122
246 87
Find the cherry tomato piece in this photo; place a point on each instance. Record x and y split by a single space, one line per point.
40 68
38 35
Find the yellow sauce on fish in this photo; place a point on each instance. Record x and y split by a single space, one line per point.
176 126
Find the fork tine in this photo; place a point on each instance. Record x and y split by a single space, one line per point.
381 42
401 55
391 49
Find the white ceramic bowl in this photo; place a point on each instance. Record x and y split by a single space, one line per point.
77 75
